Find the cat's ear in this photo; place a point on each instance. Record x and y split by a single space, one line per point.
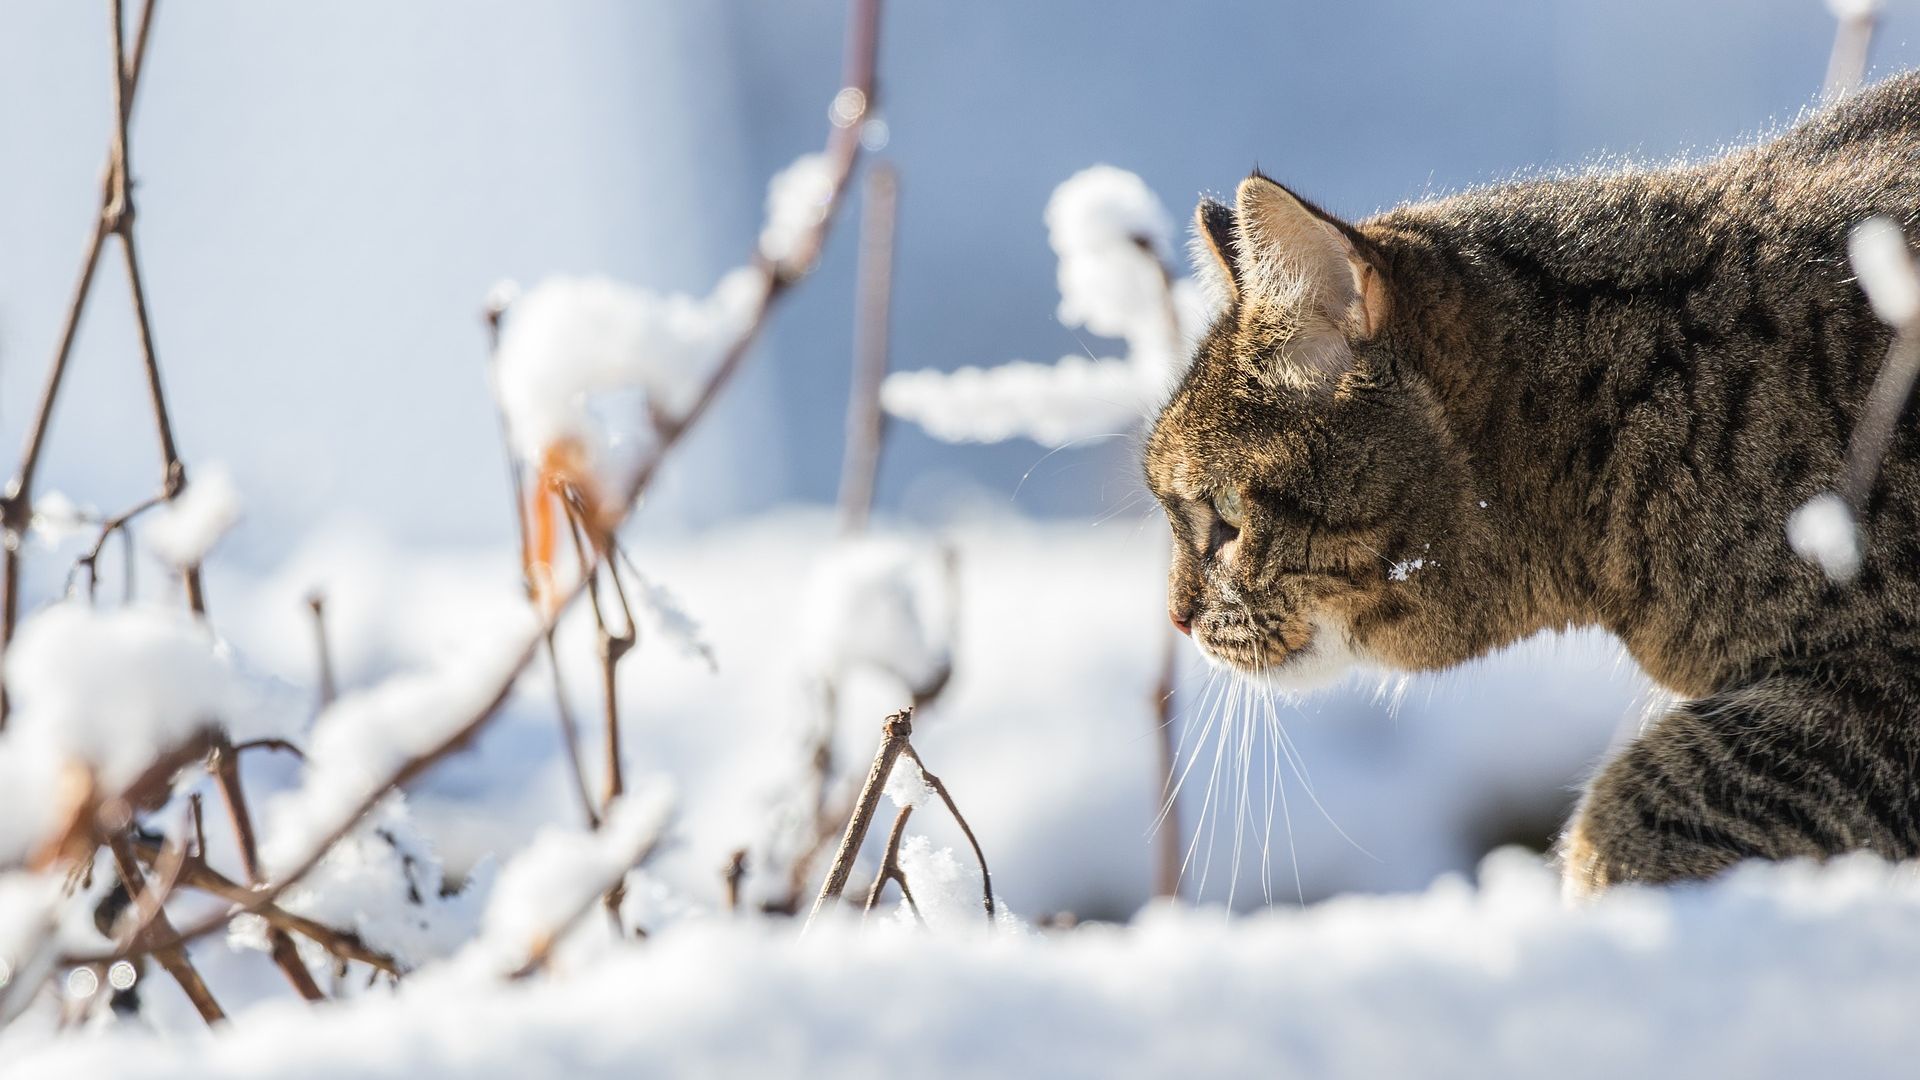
1286 251
1213 240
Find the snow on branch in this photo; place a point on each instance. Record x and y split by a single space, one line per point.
1112 237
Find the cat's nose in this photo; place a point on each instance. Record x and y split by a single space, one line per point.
1182 620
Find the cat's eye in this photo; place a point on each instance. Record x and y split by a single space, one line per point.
1226 503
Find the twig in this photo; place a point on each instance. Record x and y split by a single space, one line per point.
16 506
733 875
117 523
570 738
1166 863
1885 404
940 789
866 421
197 874
284 746
323 655
844 148
1847 64
890 869
893 741
226 774
172 957
542 950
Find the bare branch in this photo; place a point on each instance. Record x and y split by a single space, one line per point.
172 957
940 789
323 655
1847 64
866 421
893 741
890 869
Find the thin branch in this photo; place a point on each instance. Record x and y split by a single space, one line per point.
890 869
940 789
323 655
866 421
735 873
1166 847
16 506
226 775
1847 64
843 149
172 957
196 873
90 562
893 741
1886 403
284 746
570 738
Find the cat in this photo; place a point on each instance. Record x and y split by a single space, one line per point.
1578 401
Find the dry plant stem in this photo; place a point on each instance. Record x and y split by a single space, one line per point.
893 741
1847 65
940 789
733 875
890 869
866 421
195 873
284 746
1166 845
16 507
1886 403
843 148
90 562
570 738
226 774
171 957
323 655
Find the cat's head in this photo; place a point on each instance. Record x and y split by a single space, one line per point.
1316 494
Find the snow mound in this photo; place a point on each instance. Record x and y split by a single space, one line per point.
1780 971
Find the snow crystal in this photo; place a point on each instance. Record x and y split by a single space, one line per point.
114 688
582 361
57 520
798 197
1823 532
907 784
882 602
184 530
558 875
364 738
1406 568
1884 265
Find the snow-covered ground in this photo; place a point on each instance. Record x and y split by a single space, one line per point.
1776 972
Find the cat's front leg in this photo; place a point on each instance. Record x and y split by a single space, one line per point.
1812 762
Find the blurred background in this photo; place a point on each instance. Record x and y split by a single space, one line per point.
328 191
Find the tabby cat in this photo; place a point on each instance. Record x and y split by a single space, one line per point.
1579 401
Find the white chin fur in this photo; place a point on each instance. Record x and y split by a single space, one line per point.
1328 658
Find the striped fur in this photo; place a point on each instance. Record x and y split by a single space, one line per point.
1582 401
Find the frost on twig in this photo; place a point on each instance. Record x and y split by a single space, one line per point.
1825 531
1112 237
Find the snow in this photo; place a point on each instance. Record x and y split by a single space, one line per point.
184 530
907 784
559 875
886 603
27 912
1854 9
1110 234
1822 531
113 689
367 736
797 201
1783 972
58 520
582 361
1108 229
1884 265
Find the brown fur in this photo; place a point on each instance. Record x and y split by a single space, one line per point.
1571 402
